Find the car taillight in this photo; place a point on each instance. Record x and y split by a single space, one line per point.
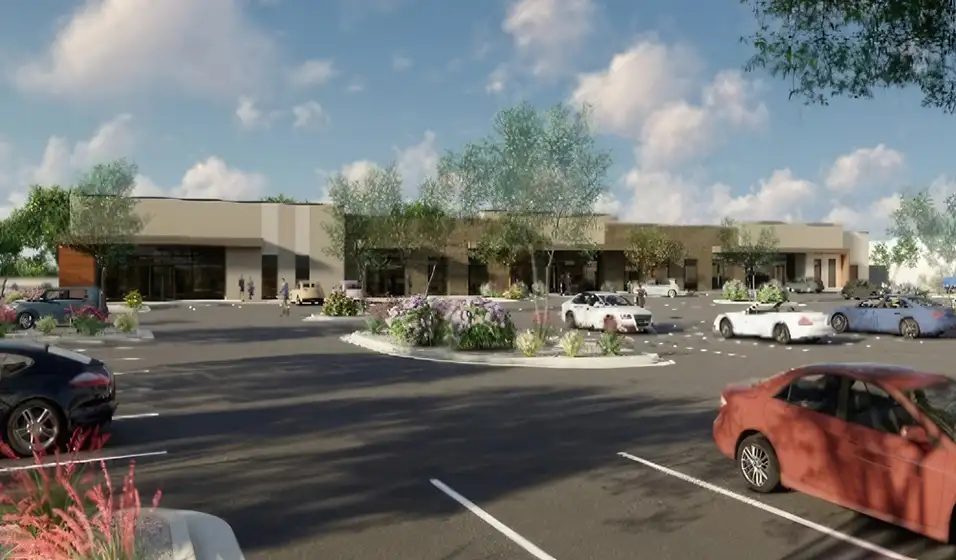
98 378
938 314
805 322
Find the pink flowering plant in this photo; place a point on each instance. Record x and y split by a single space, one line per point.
61 511
88 320
8 319
479 324
418 321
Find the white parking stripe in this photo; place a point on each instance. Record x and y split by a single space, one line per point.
129 372
84 461
135 416
487 518
130 359
833 533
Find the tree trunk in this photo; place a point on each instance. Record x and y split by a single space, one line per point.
102 286
3 288
431 275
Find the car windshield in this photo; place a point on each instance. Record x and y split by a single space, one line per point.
938 401
615 300
925 302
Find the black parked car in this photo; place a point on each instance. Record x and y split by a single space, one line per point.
48 392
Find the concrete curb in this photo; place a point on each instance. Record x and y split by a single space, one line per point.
122 308
732 302
199 536
329 319
444 355
141 336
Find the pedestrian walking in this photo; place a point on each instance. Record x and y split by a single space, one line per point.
252 289
284 298
242 288
641 295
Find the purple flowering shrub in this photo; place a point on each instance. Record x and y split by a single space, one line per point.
479 324
418 321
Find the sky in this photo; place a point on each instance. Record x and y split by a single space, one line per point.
238 99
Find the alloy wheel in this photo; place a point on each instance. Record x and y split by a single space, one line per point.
26 321
909 328
36 428
755 465
838 323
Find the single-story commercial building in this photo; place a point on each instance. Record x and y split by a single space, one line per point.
199 249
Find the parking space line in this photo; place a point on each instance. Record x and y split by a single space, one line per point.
823 529
34 467
129 372
487 518
135 416
130 359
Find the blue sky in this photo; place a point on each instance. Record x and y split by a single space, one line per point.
242 98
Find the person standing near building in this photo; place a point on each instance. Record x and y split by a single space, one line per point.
252 289
242 288
641 294
284 298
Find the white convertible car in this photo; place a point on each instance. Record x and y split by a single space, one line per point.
590 310
779 321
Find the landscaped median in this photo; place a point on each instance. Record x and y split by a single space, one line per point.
86 324
479 331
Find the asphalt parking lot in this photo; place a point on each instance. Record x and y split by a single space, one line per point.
311 448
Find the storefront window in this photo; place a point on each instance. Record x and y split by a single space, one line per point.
163 272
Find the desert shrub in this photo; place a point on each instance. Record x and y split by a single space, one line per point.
134 300
479 325
88 320
8 319
539 289
772 292
375 325
126 322
542 326
337 304
610 343
529 343
735 290
13 296
908 289
488 290
46 325
571 343
517 290
418 321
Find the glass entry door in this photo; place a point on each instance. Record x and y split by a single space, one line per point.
160 283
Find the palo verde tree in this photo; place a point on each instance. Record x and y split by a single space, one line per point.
924 225
507 242
896 254
852 48
44 220
359 226
649 248
540 172
103 216
11 246
740 248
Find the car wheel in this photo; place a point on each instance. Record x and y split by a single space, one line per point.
25 320
839 323
909 328
758 464
781 334
671 293
34 426
569 321
726 328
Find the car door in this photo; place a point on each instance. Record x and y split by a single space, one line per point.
61 306
745 323
863 317
805 429
592 309
889 315
48 304
578 309
891 475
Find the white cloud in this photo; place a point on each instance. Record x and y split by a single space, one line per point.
248 113
308 114
115 47
212 179
497 80
358 170
637 82
314 72
548 32
418 161
355 86
864 165
873 217
114 139
401 63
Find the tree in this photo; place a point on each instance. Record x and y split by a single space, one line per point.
851 48
506 242
11 245
650 248
540 172
360 207
903 252
921 225
420 227
280 199
103 217
44 220
739 248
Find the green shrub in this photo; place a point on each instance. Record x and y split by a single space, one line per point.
418 321
13 296
529 343
610 343
337 304
46 325
772 292
134 300
518 290
571 343
126 322
375 325
735 290
478 325
488 290
538 289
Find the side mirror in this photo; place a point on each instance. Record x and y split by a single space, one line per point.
915 434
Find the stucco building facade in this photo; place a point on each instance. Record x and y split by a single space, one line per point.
199 249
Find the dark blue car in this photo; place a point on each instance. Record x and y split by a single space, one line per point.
909 316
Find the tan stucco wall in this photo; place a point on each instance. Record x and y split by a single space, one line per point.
198 219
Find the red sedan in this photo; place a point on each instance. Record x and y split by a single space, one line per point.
874 438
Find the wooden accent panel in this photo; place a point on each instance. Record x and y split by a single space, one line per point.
76 268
